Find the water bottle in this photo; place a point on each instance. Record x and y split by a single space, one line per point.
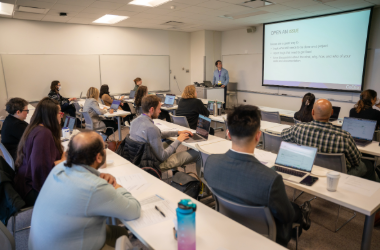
215 108
186 225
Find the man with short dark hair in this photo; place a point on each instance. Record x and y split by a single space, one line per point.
75 201
143 130
221 79
14 125
239 177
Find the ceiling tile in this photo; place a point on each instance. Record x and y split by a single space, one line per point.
36 4
64 7
158 11
117 1
216 13
342 3
124 13
106 5
179 14
213 4
125 23
8 1
190 2
49 1
137 19
56 13
314 8
196 9
80 20
357 6
84 3
300 3
135 8
291 12
91 16
60 19
373 1
147 15
29 16
234 9
96 11
275 8
154 21
178 6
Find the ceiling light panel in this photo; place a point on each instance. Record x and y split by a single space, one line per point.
149 3
110 19
6 9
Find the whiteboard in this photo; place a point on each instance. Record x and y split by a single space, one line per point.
119 71
30 76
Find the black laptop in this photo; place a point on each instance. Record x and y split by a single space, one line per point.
207 84
202 131
361 130
335 114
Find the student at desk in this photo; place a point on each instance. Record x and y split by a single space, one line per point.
191 107
304 114
76 200
14 125
239 177
364 107
142 91
104 95
91 106
39 150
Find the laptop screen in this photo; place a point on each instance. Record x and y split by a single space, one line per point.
210 105
161 96
359 128
132 94
170 99
69 122
296 156
336 112
115 104
203 126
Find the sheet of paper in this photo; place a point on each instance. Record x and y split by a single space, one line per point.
163 127
134 183
358 185
265 156
150 215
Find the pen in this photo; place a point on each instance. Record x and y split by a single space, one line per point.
159 211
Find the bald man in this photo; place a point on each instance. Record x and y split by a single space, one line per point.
72 207
329 139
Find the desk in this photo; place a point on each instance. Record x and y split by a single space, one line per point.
283 112
278 129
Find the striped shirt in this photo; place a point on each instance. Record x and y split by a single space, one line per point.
326 137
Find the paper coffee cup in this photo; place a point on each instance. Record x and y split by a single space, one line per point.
66 132
332 180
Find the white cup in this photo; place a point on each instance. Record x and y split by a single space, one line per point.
66 132
332 180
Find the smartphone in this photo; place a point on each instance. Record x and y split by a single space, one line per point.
309 180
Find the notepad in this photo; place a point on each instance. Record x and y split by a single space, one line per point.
134 183
163 127
358 185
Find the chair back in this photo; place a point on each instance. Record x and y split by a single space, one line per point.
132 108
270 116
204 156
77 107
7 156
179 120
336 162
258 219
123 243
178 99
88 120
296 121
271 142
7 241
376 135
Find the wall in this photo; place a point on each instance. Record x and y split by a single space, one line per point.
36 37
237 43
213 49
197 56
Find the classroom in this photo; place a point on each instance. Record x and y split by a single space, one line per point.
189 124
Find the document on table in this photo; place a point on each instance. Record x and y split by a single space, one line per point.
134 183
264 157
150 215
163 127
359 185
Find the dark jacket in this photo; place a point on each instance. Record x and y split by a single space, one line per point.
241 178
191 109
141 155
10 201
368 113
11 133
57 96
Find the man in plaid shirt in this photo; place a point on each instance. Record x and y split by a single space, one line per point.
329 139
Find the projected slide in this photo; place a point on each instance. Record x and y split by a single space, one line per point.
325 52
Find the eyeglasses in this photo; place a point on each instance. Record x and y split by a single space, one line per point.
61 114
26 110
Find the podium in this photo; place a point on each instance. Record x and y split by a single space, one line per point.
210 93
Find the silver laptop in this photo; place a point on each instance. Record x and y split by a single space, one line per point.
69 123
361 130
80 97
202 131
295 162
132 95
169 101
161 96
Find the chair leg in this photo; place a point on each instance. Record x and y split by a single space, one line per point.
297 228
337 218
294 195
14 225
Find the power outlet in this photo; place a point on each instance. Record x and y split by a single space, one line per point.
245 100
174 77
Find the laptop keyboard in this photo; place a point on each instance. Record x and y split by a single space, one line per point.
289 171
197 137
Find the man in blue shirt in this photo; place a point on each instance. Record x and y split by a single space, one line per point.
221 79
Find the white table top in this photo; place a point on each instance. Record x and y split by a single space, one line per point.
119 112
264 125
283 112
278 129
218 118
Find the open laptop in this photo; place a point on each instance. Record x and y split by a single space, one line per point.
80 97
335 114
115 105
210 106
361 130
295 162
69 123
202 131
169 101
162 97
132 95
207 84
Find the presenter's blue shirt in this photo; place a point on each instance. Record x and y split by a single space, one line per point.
224 77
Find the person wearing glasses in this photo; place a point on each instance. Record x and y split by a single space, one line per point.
14 125
40 149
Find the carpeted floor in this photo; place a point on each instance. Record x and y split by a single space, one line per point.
319 236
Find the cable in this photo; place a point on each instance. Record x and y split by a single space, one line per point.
177 84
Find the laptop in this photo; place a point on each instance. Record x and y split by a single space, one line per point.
295 162
202 131
361 130
80 97
132 95
335 114
162 97
115 105
210 106
169 101
207 84
69 123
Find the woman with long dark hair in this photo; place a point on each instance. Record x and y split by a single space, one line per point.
39 150
304 114
363 108
142 91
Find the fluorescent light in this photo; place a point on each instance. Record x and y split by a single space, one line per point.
149 3
6 9
110 19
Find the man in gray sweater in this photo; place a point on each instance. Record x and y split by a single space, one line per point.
143 130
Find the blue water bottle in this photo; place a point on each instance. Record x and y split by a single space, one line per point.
186 225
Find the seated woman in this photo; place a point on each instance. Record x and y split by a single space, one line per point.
91 106
107 99
363 108
142 91
14 125
191 107
138 83
39 150
54 94
304 114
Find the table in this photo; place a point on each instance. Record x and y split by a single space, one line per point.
278 129
283 112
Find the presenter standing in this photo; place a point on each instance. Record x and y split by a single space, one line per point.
221 79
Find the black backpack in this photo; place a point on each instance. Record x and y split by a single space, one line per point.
186 184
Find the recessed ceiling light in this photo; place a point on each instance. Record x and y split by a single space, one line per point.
110 19
6 9
149 3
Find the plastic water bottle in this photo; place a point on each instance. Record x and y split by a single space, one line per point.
186 225
215 108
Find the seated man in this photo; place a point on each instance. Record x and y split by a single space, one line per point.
75 201
239 177
143 130
329 139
